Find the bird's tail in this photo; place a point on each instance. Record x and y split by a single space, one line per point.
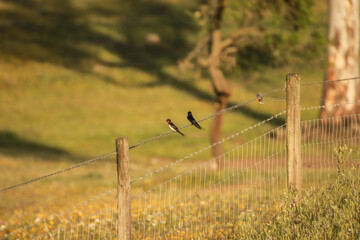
200 127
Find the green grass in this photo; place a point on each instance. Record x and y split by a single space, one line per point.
84 76
328 212
75 76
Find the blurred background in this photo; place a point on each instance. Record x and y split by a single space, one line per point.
76 75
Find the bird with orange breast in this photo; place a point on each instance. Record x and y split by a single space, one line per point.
173 127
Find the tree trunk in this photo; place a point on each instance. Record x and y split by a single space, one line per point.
343 57
219 83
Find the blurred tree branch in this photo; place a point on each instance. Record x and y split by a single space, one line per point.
250 38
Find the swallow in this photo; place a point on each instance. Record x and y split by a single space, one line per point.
193 121
173 127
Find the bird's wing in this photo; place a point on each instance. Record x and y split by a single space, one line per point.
172 127
197 125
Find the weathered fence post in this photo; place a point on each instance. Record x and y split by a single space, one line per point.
123 189
293 132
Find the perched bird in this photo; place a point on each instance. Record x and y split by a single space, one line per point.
173 127
193 121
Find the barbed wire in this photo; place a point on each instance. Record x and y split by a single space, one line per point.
212 186
208 117
170 132
239 105
213 160
234 135
326 106
330 81
180 160
58 172
208 147
136 145
273 100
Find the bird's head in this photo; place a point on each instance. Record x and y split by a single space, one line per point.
168 120
189 113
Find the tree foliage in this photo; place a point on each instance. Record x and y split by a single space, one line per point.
274 33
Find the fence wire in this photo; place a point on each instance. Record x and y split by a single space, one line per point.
260 99
37 208
99 226
101 157
47 223
330 81
215 191
328 143
208 147
231 108
154 138
204 199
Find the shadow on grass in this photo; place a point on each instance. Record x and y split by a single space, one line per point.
12 144
45 32
172 24
166 79
168 21
70 34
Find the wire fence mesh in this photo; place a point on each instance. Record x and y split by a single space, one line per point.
322 139
209 195
213 192
102 225
204 198
31 210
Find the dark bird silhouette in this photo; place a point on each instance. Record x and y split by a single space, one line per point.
173 127
193 121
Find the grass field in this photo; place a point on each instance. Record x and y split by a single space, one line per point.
75 76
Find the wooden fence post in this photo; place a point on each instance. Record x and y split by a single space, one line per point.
293 132
123 189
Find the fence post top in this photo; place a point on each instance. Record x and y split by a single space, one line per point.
292 75
122 139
